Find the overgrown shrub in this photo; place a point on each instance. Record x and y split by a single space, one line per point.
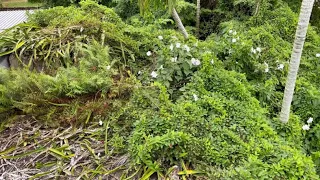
216 125
55 99
210 105
50 36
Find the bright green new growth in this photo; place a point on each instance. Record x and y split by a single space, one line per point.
146 5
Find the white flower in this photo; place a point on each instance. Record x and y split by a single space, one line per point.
305 127
160 37
187 48
234 33
280 66
98 154
149 53
139 72
171 47
100 123
230 31
174 59
267 67
310 120
195 62
195 97
253 50
318 55
108 67
154 74
161 67
211 61
258 49
234 40
178 45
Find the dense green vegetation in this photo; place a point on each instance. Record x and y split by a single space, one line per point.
157 101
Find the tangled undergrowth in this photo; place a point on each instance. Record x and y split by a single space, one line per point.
91 97
35 152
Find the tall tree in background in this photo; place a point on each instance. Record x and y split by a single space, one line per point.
198 18
304 18
145 6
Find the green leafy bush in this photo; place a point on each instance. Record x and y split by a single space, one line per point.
216 125
51 36
55 98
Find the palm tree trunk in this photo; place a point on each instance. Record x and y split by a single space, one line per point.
301 32
179 23
257 8
198 18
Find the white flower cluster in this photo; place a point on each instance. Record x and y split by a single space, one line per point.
267 67
307 126
256 50
279 67
318 55
174 59
178 45
171 47
234 33
154 74
195 62
187 48
195 97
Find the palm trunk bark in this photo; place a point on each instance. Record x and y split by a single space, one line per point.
179 23
301 32
198 18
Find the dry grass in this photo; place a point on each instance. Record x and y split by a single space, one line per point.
31 151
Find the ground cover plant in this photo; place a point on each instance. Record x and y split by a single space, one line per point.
104 92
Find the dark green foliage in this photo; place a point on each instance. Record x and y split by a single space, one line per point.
225 132
315 16
126 8
214 13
